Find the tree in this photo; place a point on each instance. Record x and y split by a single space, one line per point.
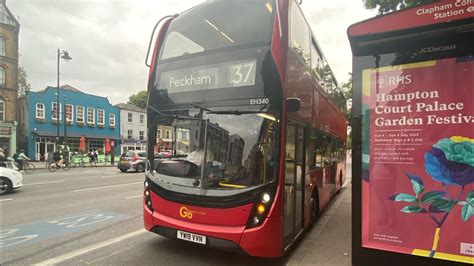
346 88
139 99
385 6
23 84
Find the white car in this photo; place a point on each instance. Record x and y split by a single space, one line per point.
9 179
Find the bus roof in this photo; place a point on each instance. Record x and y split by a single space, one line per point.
438 12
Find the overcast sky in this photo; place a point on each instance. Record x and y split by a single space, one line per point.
108 39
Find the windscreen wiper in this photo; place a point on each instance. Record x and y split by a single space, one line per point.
180 117
228 112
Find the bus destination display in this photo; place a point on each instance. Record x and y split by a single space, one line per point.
225 75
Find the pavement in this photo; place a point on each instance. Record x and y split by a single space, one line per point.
329 241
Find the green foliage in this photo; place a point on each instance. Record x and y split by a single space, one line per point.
467 212
443 204
404 197
346 88
385 6
139 99
417 183
468 209
23 84
412 209
432 196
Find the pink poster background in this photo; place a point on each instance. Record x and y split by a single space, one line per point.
397 150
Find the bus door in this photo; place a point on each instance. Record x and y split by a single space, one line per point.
294 174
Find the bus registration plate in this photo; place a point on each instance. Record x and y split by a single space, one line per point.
191 237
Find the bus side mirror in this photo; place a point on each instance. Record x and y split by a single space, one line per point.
293 104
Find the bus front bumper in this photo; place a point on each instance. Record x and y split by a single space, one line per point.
263 241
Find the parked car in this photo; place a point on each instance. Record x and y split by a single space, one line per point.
134 160
9 179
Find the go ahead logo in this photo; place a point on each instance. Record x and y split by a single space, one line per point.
186 213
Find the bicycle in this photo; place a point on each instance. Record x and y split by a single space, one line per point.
52 167
28 167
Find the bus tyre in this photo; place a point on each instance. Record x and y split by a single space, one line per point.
339 187
140 168
314 208
5 185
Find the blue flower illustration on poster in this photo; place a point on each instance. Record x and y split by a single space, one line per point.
451 162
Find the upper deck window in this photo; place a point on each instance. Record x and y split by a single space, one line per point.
218 24
300 34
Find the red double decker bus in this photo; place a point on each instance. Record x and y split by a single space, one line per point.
243 100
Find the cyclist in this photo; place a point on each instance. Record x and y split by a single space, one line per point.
20 158
57 157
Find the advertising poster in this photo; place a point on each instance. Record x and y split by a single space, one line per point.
418 159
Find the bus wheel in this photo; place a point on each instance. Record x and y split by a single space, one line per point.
314 208
339 187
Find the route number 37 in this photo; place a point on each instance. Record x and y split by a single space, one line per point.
242 74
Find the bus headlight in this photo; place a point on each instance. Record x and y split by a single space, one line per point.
260 210
147 197
256 220
265 198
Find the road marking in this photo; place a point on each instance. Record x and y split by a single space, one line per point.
107 256
88 249
44 183
11 199
118 175
132 197
55 227
95 188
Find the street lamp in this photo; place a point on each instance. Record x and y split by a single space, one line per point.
65 56
65 120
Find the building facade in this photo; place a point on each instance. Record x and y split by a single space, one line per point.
133 134
9 31
88 117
